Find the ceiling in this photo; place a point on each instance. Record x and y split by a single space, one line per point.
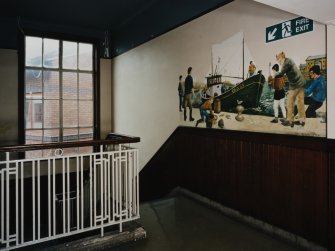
133 22
322 11
129 22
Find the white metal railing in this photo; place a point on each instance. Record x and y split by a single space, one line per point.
47 198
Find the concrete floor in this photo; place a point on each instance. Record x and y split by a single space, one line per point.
181 224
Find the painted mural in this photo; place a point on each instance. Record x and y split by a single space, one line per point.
237 94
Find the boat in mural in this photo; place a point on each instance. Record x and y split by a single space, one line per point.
227 84
247 92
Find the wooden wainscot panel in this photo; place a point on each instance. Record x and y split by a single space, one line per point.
280 179
331 168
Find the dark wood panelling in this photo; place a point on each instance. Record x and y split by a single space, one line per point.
284 180
159 176
331 165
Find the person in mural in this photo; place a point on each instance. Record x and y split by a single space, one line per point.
252 69
279 95
295 90
180 93
188 93
206 106
315 94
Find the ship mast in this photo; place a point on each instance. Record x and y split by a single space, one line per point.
212 59
243 56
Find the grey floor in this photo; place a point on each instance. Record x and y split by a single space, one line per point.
183 224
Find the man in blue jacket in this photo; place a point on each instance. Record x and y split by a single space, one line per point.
315 94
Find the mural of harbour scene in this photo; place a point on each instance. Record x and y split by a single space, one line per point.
237 95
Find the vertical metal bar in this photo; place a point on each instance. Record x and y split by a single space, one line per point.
134 183
102 192
68 193
77 189
95 190
82 191
2 205
133 177
137 185
7 199
118 191
91 199
117 176
63 193
135 180
120 187
34 209
105 189
104 178
22 203
17 203
38 199
131 166
49 200
101 187
54 196
109 187
126 183
113 187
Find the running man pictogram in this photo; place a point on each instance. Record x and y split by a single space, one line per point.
286 29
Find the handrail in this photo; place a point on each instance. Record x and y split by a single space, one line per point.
111 139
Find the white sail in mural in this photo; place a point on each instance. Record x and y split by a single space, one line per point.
231 59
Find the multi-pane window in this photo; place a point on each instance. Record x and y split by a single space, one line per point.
59 84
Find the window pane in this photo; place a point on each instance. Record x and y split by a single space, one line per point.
51 136
70 113
85 86
33 114
33 83
34 137
86 133
33 51
70 135
70 55
85 113
51 53
51 84
85 57
38 112
70 86
51 113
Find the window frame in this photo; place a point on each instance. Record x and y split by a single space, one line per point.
21 77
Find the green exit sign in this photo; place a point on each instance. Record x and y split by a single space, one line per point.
289 28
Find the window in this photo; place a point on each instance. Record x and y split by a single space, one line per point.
58 91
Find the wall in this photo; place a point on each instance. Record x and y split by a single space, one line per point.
8 96
145 79
331 81
105 98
